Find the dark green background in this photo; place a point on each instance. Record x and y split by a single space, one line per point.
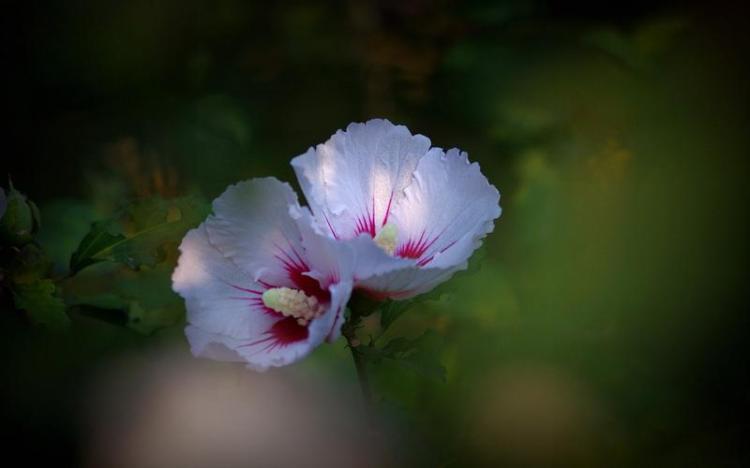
608 310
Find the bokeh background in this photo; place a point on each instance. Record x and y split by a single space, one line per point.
603 323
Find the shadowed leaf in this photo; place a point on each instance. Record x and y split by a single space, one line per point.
41 304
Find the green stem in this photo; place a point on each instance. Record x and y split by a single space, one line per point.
364 381
349 330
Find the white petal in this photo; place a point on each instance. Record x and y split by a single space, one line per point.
263 351
213 345
384 276
406 282
252 227
332 264
330 260
328 326
446 211
352 181
218 295
224 348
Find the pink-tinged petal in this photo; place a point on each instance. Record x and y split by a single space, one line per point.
353 181
334 265
446 211
283 342
259 357
228 320
252 227
330 260
357 258
333 259
219 297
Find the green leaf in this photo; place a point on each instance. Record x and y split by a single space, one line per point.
419 354
152 225
41 303
392 310
142 235
144 297
95 246
29 263
67 221
147 321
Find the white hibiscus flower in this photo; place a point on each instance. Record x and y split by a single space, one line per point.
260 285
425 209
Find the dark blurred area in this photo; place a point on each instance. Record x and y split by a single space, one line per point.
606 325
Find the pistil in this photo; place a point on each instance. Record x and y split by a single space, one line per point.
386 238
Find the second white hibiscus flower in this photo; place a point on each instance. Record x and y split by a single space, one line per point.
426 209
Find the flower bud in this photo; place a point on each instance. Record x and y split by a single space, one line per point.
20 218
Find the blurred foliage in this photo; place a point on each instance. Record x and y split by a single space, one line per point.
142 238
38 298
139 238
418 354
606 324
